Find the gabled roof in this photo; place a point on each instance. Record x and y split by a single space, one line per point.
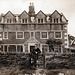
55 11
64 16
23 12
41 12
9 12
32 40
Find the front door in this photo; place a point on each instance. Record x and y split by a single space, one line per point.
32 48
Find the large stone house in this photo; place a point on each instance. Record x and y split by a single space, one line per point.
21 32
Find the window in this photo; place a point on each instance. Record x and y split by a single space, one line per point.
20 35
57 49
24 20
40 20
55 20
5 35
51 48
32 34
5 48
44 48
19 48
51 34
57 34
9 20
1 48
0 35
44 35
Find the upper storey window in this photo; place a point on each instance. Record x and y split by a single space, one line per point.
40 20
20 35
56 20
24 20
58 35
44 35
9 20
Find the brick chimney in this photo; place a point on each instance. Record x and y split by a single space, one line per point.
31 9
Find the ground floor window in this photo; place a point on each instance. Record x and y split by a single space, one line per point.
1 48
57 49
51 48
5 48
19 48
44 48
12 48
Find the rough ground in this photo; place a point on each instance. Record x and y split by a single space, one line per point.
16 71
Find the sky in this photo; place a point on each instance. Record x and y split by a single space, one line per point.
67 7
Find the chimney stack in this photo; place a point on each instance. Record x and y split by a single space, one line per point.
31 9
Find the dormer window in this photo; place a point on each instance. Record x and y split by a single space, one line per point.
56 20
9 20
24 20
40 20
0 20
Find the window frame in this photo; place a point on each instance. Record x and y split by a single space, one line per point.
57 37
5 48
4 35
42 47
31 34
24 20
41 35
17 35
17 48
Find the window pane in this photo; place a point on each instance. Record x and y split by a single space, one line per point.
41 20
51 34
19 49
22 20
25 20
38 20
5 35
44 48
58 34
12 48
1 48
5 48
44 34
19 34
32 34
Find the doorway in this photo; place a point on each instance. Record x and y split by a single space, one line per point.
32 48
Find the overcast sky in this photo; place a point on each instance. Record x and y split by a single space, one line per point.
67 7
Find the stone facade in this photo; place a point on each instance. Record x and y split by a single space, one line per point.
21 32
